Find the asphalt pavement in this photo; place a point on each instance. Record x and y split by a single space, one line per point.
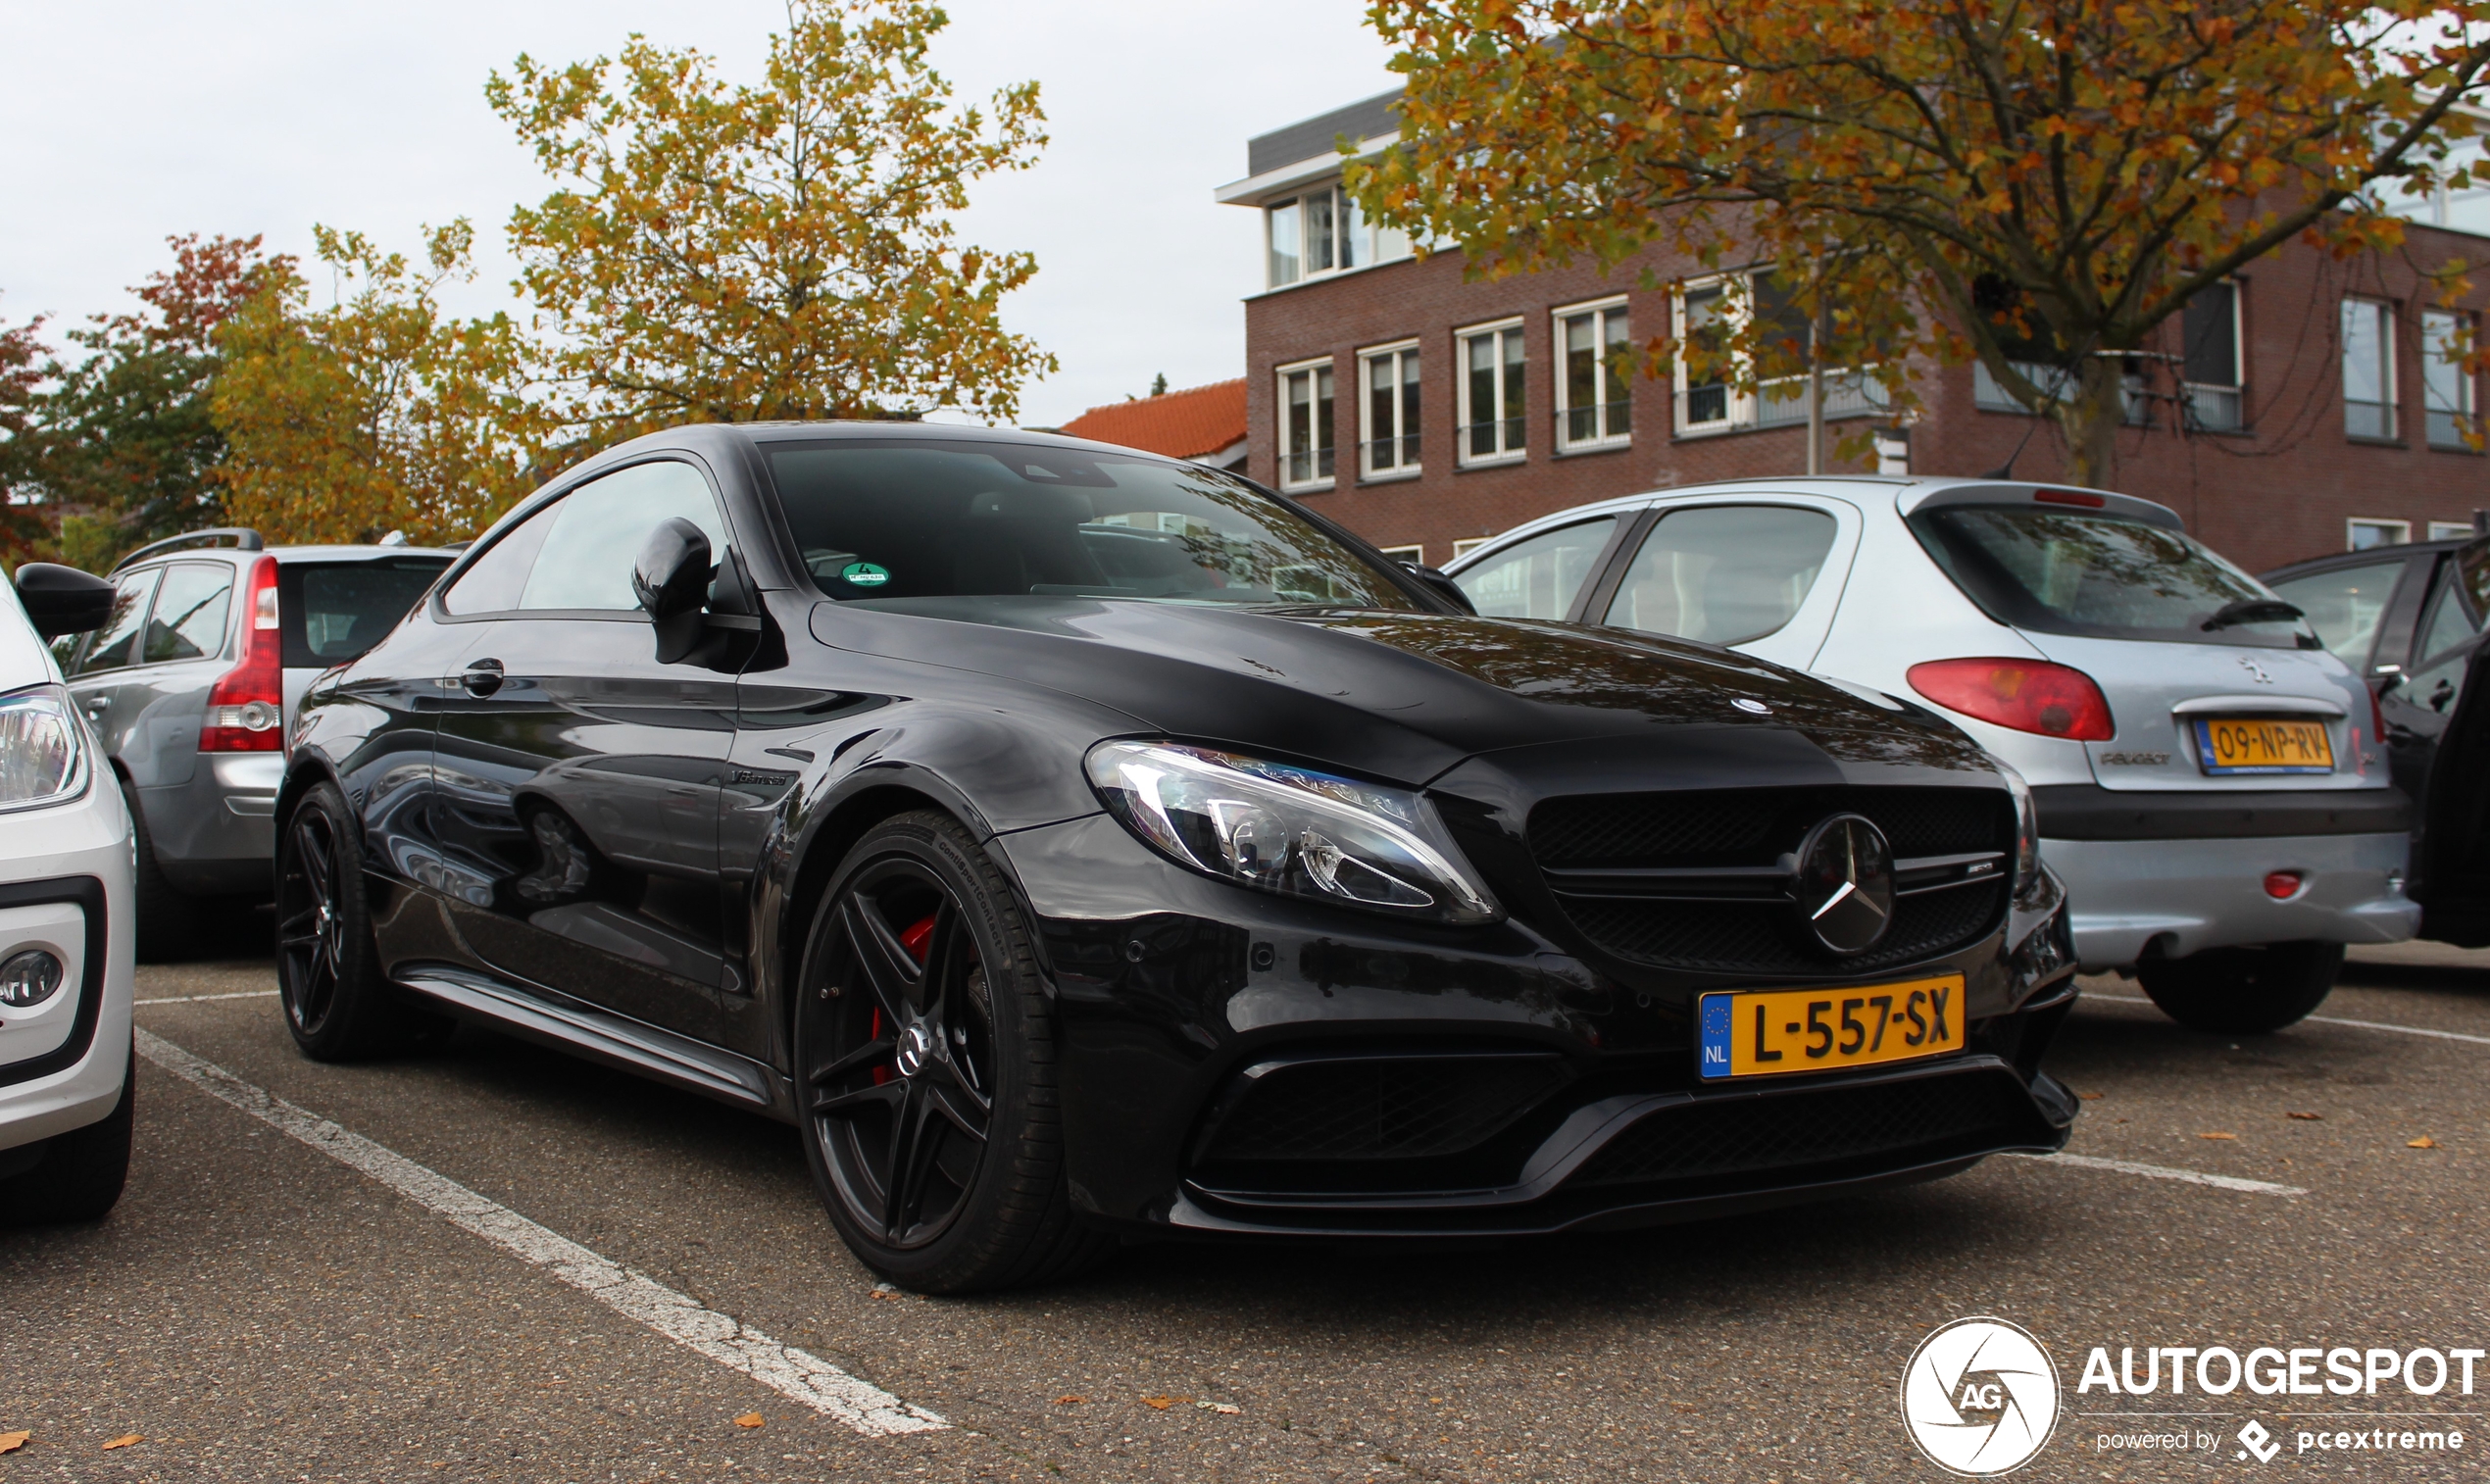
276 1300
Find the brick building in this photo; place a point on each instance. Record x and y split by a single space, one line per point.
2296 412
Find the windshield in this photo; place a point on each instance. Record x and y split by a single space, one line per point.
2106 576
923 519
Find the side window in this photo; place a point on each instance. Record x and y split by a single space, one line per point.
1723 573
1538 579
2451 623
113 642
2344 606
599 528
492 583
190 612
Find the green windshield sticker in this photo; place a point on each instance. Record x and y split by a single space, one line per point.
863 575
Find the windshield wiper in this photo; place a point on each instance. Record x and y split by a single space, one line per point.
2253 611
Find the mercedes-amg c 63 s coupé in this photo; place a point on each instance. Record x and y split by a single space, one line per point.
1078 845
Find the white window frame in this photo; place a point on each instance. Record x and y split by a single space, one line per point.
1320 370
1398 353
1366 242
2401 532
1560 358
2449 530
1468 544
1505 369
1412 554
1738 407
2226 405
2386 313
2466 389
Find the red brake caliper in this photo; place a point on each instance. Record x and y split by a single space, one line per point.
912 940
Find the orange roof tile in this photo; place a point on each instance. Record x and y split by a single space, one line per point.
1182 424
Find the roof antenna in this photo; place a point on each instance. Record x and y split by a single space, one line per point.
2005 470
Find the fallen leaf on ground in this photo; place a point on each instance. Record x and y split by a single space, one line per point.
2423 1142
1223 1409
124 1440
2217 1136
2310 1117
11 1442
1162 1403
2089 1097
1068 1400
749 1420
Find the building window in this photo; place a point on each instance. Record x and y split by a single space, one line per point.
2208 334
1492 385
2449 530
2369 369
1324 231
1595 382
1305 426
1390 446
2445 388
1415 556
1468 544
1708 315
2365 534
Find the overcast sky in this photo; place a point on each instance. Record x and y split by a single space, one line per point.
126 123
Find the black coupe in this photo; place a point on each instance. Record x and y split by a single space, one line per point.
1078 845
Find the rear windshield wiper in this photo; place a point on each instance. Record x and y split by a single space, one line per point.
2253 611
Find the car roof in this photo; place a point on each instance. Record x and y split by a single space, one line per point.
1903 493
285 555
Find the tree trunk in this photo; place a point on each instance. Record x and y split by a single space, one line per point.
2090 419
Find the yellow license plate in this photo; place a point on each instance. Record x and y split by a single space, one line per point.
1783 1030
2241 746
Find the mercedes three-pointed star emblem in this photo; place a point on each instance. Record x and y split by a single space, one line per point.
1845 883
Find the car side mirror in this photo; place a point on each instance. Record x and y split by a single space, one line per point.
62 600
1444 587
672 581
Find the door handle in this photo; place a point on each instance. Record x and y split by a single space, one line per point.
482 677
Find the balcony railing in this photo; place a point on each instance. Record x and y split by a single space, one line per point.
1854 394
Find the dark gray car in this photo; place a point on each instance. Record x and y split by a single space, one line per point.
191 685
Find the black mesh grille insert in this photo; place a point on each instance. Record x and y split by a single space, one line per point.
1752 825
1760 937
1934 1117
1397 1107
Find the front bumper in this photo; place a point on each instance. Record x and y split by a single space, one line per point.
64 886
2179 897
1466 1083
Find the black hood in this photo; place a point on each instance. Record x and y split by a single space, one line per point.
1404 694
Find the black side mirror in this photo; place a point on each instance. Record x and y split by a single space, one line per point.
672 581
62 600
1445 588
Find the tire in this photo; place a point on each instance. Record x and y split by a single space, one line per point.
2243 991
167 921
338 1003
924 1043
82 1174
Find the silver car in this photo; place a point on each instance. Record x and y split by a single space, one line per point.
191 685
2210 780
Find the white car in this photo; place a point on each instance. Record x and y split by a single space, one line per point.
65 862
2209 782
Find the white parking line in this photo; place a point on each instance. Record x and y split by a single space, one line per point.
794 1373
2401 1030
2166 1172
239 994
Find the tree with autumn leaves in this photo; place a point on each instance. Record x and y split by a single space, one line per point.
1948 179
712 251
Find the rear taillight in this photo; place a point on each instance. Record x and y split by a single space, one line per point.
246 707
2027 695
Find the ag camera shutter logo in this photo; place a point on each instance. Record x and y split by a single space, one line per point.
1979 1396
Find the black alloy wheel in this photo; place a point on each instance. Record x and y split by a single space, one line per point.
338 1004
923 1040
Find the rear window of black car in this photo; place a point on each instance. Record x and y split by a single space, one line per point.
926 520
2101 575
331 612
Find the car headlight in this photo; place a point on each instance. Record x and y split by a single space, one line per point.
2026 826
42 748
1290 830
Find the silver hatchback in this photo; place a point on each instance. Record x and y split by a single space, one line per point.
191 686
